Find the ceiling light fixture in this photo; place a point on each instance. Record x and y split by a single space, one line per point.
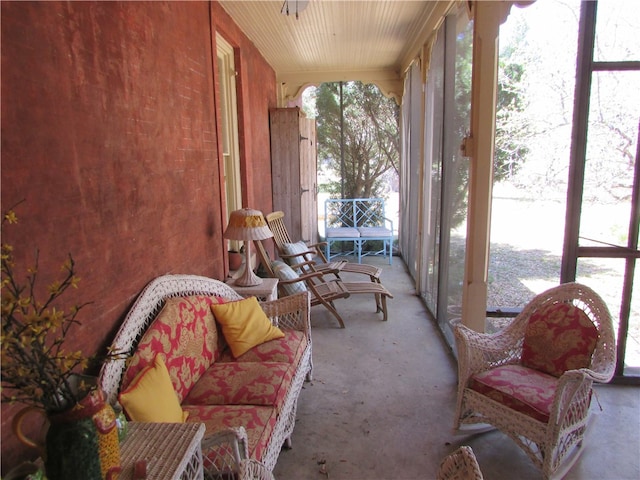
300 5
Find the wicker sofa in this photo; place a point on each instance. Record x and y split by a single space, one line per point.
247 402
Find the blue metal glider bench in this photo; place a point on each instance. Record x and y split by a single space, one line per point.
358 221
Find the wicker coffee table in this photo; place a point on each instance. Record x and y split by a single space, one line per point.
170 450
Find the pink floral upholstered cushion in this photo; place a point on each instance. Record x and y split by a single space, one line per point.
558 338
242 383
520 388
257 421
185 335
287 349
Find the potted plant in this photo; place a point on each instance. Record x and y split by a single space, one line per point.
235 260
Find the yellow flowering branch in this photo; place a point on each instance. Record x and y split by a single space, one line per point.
36 369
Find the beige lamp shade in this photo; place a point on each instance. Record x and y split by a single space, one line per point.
247 225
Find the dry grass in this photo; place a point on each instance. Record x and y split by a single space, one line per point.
526 256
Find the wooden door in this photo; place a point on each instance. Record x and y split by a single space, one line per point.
293 171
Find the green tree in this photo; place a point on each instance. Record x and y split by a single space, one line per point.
512 127
371 139
371 132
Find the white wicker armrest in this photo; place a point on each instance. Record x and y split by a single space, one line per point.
460 464
574 388
290 312
223 451
572 391
254 470
602 375
481 351
603 366
486 341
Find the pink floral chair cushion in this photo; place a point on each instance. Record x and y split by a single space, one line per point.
558 338
242 383
520 388
288 349
258 421
185 335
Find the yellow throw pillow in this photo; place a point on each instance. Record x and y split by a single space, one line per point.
244 325
151 397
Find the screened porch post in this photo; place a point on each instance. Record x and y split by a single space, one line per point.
479 147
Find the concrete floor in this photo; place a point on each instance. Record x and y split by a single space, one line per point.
382 400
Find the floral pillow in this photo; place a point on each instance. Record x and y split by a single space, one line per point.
185 335
558 338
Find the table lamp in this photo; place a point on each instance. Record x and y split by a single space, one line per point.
247 225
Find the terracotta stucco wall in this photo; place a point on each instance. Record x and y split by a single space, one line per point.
109 140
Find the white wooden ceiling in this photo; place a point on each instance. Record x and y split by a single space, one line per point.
333 40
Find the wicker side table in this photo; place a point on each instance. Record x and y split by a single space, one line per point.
171 450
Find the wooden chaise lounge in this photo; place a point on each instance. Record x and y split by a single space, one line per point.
287 249
294 279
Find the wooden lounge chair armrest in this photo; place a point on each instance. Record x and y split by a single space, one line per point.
310 275
301 278
325 268
317 245
311 250
320 249
316 248
287 256
282 281
300 265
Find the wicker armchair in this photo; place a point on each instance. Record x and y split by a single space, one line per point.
460 465
524 383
